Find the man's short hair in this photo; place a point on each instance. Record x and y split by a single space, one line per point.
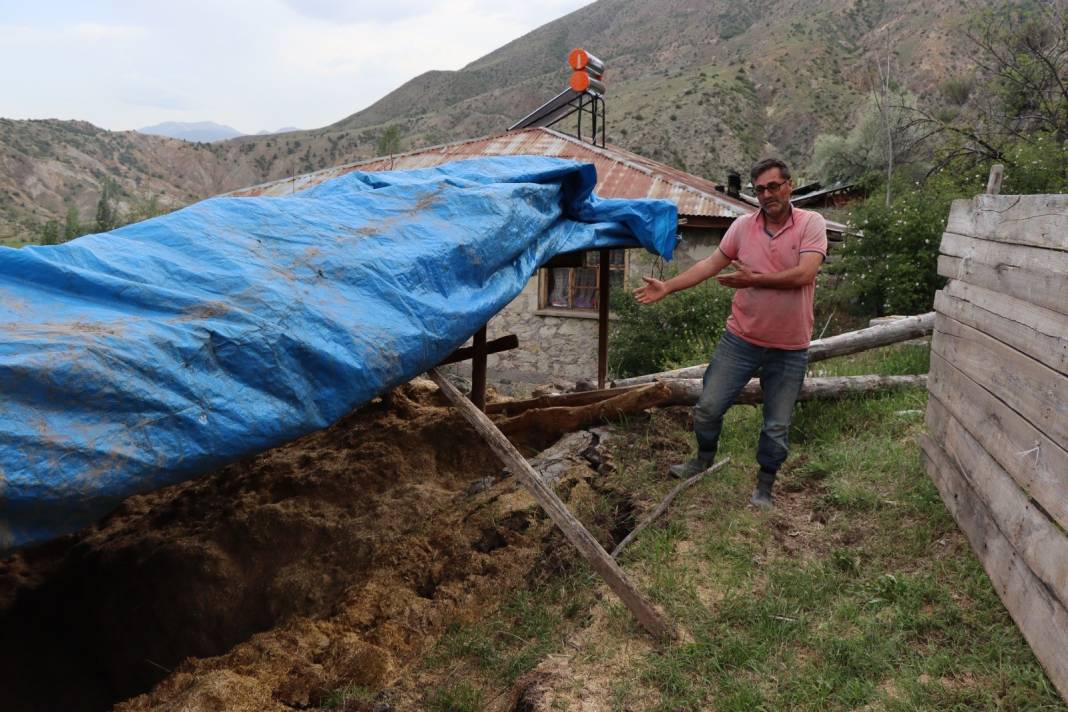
767 164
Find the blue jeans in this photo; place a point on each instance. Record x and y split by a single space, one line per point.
733 364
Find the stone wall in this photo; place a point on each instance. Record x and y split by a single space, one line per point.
562 345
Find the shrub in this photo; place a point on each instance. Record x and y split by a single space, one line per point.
681 330
893 267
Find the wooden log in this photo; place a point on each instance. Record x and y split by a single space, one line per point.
1036 392
821 349
1037 613
1038 332
552 463
665 503
679 391
1028 273
686 391
1039 465
547 423
511 408
1036 220
1028 528
572 528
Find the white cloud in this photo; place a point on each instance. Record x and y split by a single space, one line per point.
96 32
361 12
247 63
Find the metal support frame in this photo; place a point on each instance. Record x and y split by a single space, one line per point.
566 104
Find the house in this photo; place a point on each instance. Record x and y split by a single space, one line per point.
556 317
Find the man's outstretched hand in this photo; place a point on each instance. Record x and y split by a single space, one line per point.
653 291
740 278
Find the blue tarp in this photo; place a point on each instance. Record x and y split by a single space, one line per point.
147 355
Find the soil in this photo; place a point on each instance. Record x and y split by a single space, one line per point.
335 560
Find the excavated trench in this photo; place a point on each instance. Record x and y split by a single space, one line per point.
337 559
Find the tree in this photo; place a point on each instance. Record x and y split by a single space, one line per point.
882 137
1019 92
72 227
106 218
49 233
389 141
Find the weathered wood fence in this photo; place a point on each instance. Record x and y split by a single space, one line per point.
997 416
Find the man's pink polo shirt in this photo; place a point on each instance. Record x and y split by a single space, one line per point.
774 318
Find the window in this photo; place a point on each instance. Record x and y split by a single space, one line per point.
576 287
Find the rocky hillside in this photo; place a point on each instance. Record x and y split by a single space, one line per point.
705 85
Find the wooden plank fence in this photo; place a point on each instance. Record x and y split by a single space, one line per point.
997 417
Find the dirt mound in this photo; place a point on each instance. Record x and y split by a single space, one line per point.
330 561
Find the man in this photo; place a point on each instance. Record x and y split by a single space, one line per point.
776 253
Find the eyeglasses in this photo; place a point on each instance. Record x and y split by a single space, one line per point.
769 188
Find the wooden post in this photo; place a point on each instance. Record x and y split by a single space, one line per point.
501 343
478 370
603 290
993 183
572 528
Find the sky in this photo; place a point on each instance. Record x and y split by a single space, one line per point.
250 64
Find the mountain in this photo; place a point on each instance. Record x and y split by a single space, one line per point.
284 129
203 131
704 85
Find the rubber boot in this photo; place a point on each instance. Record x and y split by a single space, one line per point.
689 468
761 498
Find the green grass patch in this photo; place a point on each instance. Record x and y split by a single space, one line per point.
493 653
856 592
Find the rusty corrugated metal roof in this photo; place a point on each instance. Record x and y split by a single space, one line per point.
620 173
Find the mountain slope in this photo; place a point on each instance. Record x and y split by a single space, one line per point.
707 86
192 131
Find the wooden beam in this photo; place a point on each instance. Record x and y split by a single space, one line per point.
684 391
567 259
1029 529
1039 465
1035 391
665 503
1035 220
993 183
478 370
511 408
502 343
537 425
1032 274
821 349
1036 331
1038 614
603 290
572 528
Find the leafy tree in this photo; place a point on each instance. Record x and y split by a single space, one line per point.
1018 92
1013 109
49 233
143 209
883 136
72 227
389 141
106 218
680 330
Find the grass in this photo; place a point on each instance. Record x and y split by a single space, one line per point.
492 654
856 592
